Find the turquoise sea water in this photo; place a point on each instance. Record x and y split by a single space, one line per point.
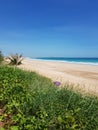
92 61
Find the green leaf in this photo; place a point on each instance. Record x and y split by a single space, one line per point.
60 119
14 127
1 117
2 128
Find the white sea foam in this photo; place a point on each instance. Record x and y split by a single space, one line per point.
66 61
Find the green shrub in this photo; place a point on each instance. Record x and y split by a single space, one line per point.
1 57
31 102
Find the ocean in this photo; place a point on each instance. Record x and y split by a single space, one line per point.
91 61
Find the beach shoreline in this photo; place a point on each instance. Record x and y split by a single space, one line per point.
72 60
82 77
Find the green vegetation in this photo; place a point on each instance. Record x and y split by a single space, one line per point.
15 59
29 101
1 57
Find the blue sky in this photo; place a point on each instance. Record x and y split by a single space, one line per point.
46 28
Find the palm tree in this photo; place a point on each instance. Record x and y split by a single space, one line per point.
15 59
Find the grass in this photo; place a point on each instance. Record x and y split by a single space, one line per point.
29 101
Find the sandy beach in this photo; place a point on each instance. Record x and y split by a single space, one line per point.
82 77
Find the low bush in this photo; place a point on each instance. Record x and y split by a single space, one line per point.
1 57
29 101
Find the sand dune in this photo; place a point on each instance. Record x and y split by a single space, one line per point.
84 77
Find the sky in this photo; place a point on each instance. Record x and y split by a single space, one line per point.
49 28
